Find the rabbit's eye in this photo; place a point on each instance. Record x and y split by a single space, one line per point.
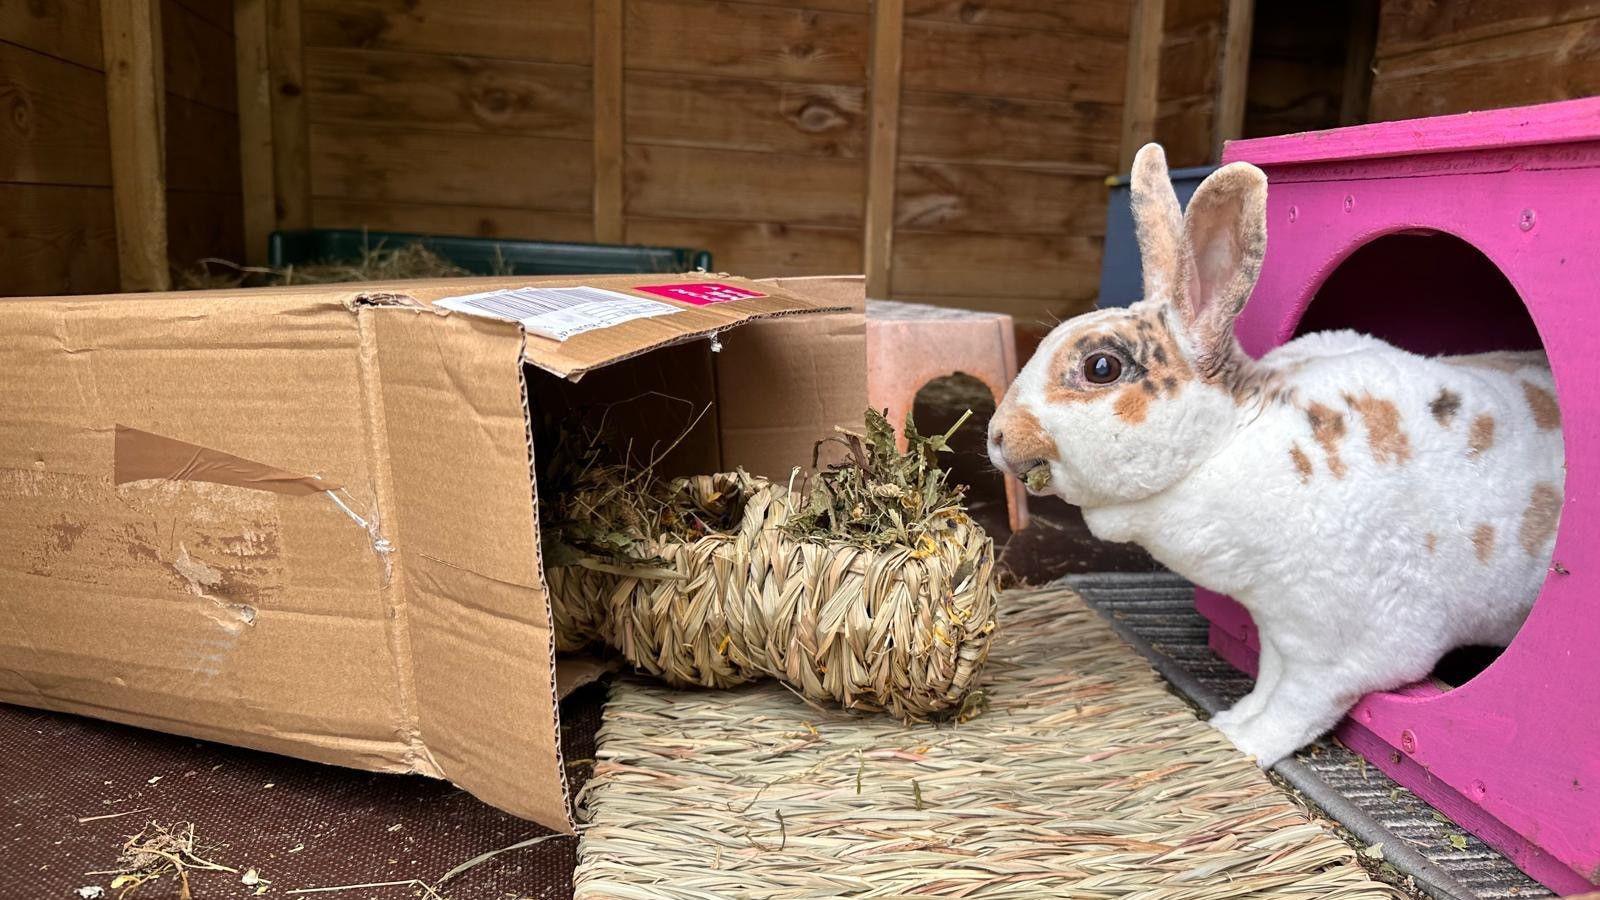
1101 368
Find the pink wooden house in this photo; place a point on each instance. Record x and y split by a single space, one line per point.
1452 235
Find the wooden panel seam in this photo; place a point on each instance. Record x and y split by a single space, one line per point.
254 77
608 121
136 116
291 137
888 34
1355 95
1234 83
1144 79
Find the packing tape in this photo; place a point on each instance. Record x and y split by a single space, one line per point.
142 455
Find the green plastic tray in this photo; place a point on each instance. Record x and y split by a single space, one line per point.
479 255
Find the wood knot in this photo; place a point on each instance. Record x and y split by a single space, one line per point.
22 114
818 115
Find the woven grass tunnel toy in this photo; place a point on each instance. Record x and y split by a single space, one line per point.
867 585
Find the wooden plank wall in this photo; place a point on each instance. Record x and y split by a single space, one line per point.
469 117
738 126
744 131
1010 121
1438 58
57 216
57 227
1299 63
205 207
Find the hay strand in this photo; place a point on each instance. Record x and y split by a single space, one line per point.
156 852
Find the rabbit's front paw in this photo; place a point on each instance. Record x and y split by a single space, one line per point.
1228 723
1262 739
1226 719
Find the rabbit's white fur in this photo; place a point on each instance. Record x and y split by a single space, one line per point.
1372 508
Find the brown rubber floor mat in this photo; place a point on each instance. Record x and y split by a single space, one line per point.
73 789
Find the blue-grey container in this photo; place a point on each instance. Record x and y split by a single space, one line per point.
1121 280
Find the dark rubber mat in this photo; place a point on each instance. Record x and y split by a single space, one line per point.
1156 613
73 789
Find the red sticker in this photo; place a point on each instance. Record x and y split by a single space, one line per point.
699 294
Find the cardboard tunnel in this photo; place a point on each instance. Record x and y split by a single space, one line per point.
304 520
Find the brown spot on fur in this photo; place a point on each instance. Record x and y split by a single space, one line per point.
1540 517
1483 541
1302 463
1132 405
1546 414
1248 381
1382 419
1445 406
1328 428
1481 437
1431 540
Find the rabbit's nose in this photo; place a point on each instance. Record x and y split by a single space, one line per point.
997 437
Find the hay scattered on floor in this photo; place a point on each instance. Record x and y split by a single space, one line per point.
1086 779
163 851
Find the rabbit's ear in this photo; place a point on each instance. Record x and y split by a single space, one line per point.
1158 220
1225 237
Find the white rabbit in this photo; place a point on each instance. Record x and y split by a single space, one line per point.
1372 508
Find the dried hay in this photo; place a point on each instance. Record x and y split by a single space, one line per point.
377 263
867 586
1087 779
160 851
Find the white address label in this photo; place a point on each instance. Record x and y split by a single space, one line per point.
558 312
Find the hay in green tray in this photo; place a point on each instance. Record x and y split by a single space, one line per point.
867 585
378 262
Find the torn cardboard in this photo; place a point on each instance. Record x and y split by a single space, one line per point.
303 519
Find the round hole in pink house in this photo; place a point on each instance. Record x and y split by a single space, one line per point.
1426 260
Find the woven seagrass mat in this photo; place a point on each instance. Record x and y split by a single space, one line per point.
1085 779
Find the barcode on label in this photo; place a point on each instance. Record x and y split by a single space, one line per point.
558 312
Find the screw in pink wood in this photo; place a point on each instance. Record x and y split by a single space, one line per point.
1525 222
1408 741
1479 790
1349 202
1294 213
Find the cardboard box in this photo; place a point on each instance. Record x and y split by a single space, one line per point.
303 519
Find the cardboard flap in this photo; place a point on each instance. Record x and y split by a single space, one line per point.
691 306
476 619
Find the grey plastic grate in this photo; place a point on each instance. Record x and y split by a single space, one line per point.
1155 613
